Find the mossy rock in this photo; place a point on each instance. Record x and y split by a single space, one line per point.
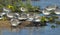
53 26
57 22
51 19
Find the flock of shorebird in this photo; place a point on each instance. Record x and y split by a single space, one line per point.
16 18
49 9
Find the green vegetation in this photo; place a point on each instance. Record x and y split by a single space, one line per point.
43 20
16 5
52 18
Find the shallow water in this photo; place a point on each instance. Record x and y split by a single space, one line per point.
44 30
44 3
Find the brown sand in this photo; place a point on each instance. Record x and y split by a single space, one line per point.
24 23
6 24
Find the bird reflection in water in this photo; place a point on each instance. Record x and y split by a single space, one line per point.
15 29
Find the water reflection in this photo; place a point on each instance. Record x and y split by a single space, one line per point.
44 30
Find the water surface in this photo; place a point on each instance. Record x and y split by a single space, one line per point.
44 3
44 30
